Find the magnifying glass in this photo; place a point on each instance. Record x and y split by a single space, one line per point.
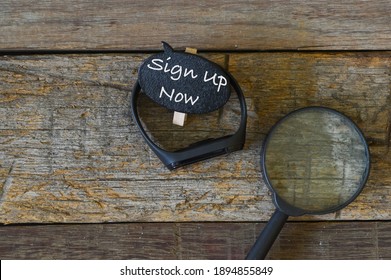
315 160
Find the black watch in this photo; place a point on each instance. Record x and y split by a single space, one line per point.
201 150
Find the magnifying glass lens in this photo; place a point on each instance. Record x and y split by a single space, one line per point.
316 160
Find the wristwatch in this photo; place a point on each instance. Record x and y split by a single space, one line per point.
201 150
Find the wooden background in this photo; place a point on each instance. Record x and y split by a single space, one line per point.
76 179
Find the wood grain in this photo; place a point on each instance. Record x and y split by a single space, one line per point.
205 25
70 151
298 240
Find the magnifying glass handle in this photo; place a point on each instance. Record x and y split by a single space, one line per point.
267 237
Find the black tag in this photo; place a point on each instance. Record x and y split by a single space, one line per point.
184 82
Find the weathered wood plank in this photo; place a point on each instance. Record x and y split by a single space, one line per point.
212 25
71 153
303 240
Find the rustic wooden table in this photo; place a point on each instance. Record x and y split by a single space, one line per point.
76 179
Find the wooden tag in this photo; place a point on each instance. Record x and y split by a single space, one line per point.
184 82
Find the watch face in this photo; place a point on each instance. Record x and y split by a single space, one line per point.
184 82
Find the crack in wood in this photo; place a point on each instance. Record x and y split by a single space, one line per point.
7 184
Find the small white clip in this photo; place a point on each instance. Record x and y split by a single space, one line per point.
180 118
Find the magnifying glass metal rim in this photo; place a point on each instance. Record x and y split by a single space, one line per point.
286 207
